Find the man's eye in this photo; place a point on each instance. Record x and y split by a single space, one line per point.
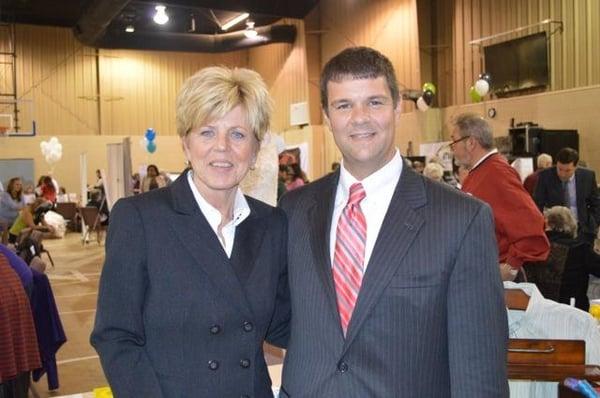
342 106
375 103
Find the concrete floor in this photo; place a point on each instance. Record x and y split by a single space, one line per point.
75 285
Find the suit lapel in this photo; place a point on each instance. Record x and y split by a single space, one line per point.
246 247
320 215
400 227
196 235
580 196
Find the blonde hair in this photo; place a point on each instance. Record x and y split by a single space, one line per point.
434 170
560 219
544 160
214 91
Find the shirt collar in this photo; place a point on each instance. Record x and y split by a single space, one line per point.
389 173
535 298
484 157
241 209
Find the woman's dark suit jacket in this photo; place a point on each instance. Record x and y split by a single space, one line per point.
176 317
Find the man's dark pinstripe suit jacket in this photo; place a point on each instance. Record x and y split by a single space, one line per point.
430 320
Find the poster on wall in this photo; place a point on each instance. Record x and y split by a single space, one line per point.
440 150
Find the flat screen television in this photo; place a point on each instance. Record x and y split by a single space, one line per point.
518 64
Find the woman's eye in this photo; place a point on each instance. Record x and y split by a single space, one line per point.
238 135
206 133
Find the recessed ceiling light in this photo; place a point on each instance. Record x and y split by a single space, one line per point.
161 16
129 29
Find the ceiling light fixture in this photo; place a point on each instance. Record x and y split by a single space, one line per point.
192 27
235 21
161 16
129 29
250 32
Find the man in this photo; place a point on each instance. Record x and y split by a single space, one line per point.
573 187
394 284
543 162
519 224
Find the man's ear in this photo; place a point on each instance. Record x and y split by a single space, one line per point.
398 109
326 119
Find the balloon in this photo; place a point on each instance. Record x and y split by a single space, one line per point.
429 87
486 76
52 150
475 97
150 134
151 147
44 147
482 87
428 97
143 143
422 104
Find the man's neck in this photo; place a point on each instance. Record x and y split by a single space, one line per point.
478 155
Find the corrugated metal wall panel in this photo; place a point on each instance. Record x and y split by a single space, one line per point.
284 68
574 53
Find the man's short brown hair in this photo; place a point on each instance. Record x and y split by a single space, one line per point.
358 63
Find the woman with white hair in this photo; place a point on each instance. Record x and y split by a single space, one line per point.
581 261
435 171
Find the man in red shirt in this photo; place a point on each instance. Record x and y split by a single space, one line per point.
519 223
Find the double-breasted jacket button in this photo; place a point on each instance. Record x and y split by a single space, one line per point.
215 329
342 367
245 363
248 326
213 365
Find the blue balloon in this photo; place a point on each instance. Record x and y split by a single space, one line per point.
151 147
150 134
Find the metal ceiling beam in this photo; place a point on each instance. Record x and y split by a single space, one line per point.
167 41
95 19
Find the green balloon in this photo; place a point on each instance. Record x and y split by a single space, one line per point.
475 97
429 86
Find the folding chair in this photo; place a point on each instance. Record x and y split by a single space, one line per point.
68 210
91 219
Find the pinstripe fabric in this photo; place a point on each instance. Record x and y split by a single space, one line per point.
349 257
430 318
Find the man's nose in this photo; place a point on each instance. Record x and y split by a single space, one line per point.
360 114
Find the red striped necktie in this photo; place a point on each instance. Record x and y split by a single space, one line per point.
349 254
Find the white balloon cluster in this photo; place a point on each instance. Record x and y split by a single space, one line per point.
51 150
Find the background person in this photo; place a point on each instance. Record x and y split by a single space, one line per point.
153 179
581 260
519 225
11 202
543 161
573 187
195 274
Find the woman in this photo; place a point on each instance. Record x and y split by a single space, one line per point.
581 260
195 274
11 202
296 177
29 218
48 191
153 179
